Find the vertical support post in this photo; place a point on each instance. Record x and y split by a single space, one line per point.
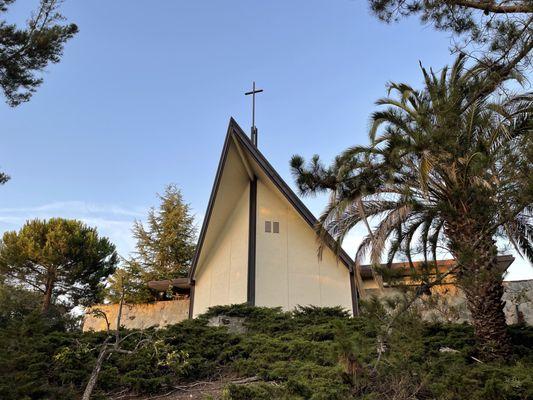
252 231
254 135
191 299
355 295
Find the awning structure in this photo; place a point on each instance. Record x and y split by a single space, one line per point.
162 286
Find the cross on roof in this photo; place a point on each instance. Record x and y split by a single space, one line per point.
254 128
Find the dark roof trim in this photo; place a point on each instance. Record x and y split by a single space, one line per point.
235 129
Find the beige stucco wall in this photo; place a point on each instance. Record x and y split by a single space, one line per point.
288 271
138 316
222 279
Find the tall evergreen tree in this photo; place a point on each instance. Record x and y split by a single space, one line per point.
445 168
59 258
166 245
164 250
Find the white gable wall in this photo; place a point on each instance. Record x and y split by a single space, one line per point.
288 271
222 275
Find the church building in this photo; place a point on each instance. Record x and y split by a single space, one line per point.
258 245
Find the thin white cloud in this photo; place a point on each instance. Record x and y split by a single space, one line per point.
77 207
10 219
112 221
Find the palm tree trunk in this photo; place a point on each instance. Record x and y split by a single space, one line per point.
481 279
484 301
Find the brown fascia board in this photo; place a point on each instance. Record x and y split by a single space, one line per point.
235 129
504 262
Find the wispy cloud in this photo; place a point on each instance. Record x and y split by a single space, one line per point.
112 221
77 207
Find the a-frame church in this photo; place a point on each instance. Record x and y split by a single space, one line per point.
258 244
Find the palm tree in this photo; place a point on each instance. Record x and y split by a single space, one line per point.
445 168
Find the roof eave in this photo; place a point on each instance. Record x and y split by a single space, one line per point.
211 202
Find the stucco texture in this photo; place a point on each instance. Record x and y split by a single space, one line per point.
288 270
138 316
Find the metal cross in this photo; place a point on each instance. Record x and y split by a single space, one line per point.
254 128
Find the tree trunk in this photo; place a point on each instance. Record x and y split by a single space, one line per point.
96 371
47 299
481 279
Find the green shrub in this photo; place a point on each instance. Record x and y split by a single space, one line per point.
311 353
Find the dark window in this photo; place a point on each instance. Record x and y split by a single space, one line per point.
268 226
276 227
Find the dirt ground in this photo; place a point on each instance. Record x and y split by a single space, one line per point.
193 391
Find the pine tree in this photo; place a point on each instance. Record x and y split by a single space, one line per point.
164 250
26 52
496 32
165 247
60 259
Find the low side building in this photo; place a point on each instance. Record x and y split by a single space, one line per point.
445 301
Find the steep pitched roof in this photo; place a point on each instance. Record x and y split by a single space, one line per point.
235 133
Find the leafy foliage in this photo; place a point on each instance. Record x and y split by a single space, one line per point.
436 149
16 303
296 355
24 53
164 249
58 258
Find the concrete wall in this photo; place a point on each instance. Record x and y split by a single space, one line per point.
447 303
518 298
138 316
288 271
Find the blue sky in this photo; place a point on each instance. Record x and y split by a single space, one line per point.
144 92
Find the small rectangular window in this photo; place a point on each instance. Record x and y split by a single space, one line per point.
276 227
268 226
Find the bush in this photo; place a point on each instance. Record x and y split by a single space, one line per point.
311 353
